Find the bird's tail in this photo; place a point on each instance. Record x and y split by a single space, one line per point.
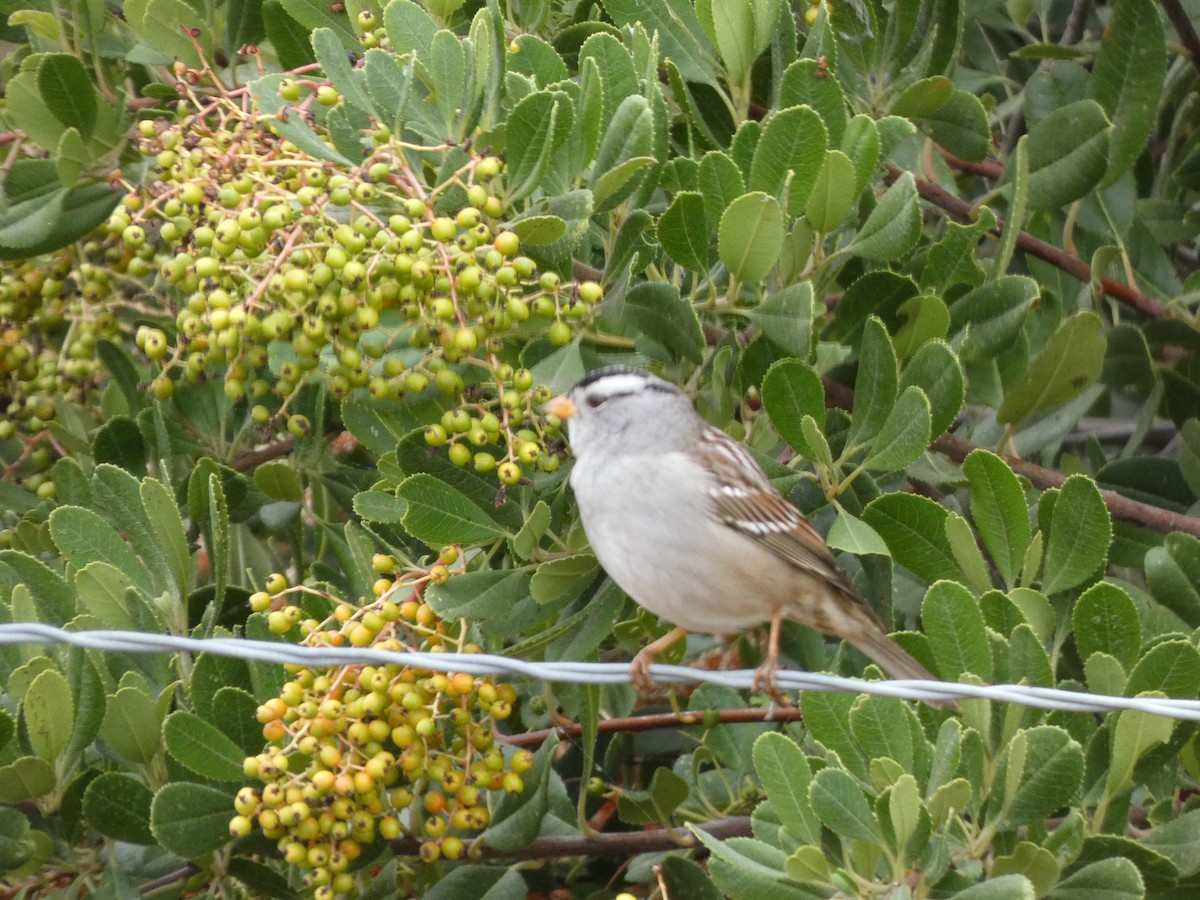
896 661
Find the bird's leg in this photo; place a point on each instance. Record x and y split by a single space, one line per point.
641 663
764 675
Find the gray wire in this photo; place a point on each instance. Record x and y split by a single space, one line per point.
279 653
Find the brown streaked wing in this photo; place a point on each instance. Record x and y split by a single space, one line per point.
746 501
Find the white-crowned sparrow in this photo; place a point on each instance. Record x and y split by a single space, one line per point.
686 522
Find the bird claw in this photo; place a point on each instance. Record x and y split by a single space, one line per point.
643 681
765 682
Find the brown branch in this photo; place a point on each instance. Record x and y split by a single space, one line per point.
621 842
1183 27
253 459
1072 265
1119 506
657 721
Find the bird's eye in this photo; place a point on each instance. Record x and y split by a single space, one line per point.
594 401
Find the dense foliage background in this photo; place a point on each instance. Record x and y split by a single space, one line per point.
284 283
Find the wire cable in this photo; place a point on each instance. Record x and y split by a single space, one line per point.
279 653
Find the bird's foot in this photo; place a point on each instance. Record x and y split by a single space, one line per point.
765 682
643 681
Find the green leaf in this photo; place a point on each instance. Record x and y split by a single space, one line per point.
348 81
53 596
954 626
485 595
67 91
526 541
883 728
855 536
793 142
683 231
1179 841
563 578
935 370
26 778
380 506
1105 620
118 806
953 259
119 442
999 510
667 791
48 710
479 883
666 317
1003 887
191 820
104 593
439 514
201 747
785 774
388 81
1049 778
537 126
995 312
166 524
517 819
750 236
967 553
894 225
1108 879
861 143
785 318
1173 577
833 192
914 529
904 435
875 385
314 14
840 804
808 82
1068 154
960 125
625 148
791 390
539 230
681 39
162 27
287 36
131 725
1128 79
685 878
923 97
82 536
1172 667
1079 535
1070 362
1134 734
721 183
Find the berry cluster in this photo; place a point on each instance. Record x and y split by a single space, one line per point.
281 268
362 751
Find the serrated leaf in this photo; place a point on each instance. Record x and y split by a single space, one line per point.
1173 577
438 514
894 225
1068 154
1105 620
999 510
914 529
751 236
904 435
484 595
539 230
48 710
721 183
935 370
855 536
201 747
785 773
954 626
960 125
875 384
840 804
683 231
1070 362
833 193
68 92
995 312
83 536
792 143
191 820
785 318
1049 778
537 126
666 317
117 805
1079 536
791 390
380 506
1172 667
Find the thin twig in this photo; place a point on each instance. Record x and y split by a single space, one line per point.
1183 27
1057 257
1153 517
656 721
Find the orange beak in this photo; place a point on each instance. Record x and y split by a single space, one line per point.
560 406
